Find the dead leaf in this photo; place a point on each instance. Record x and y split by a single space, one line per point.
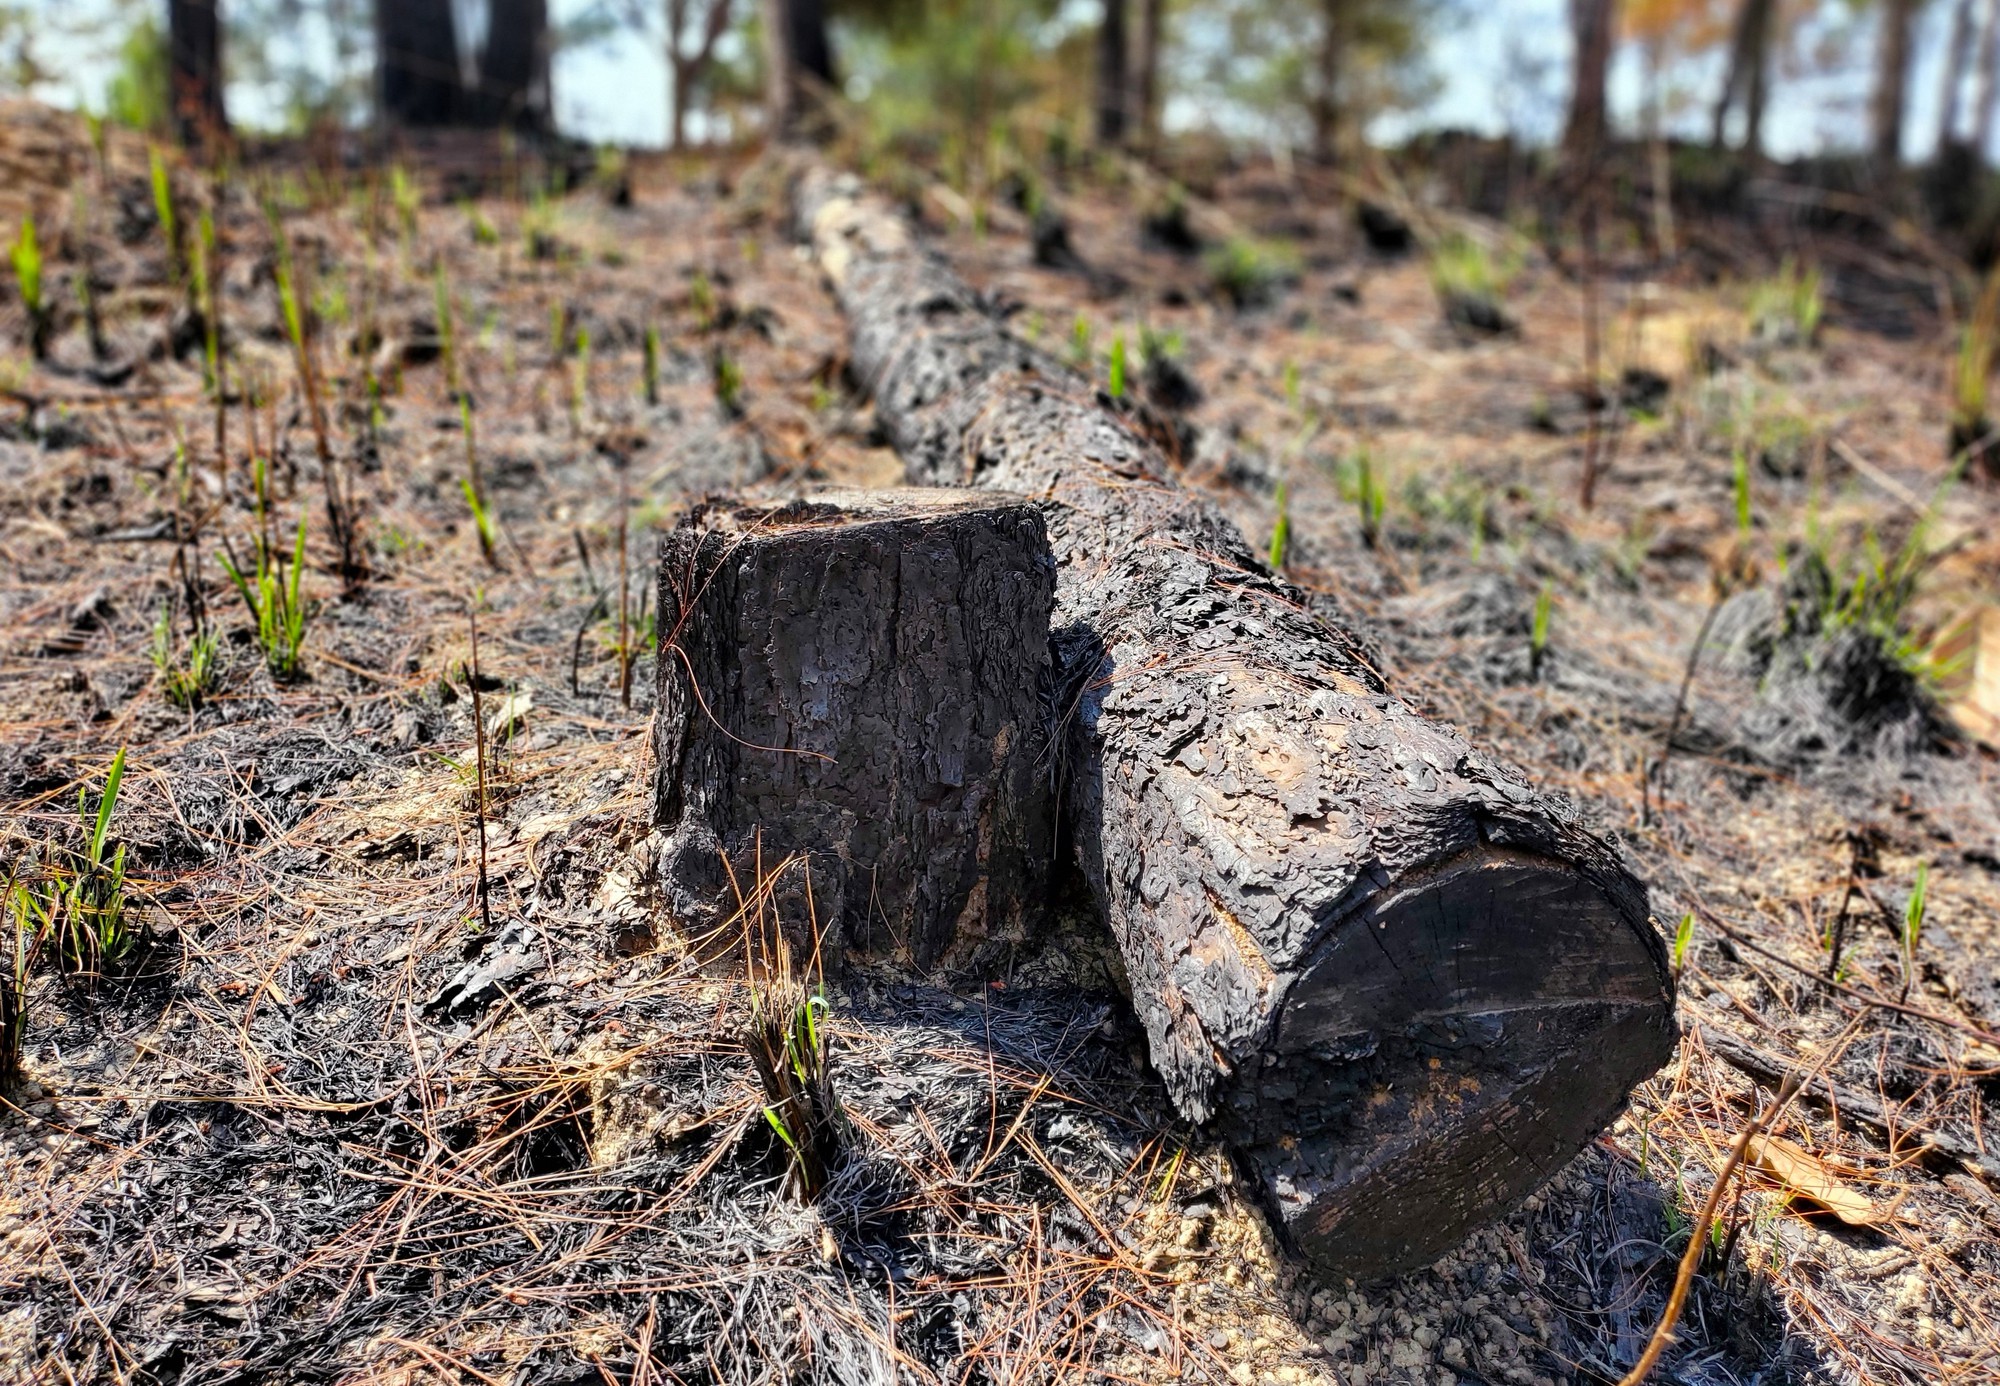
1809 1177
1967 655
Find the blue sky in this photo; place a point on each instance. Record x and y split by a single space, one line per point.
1501 64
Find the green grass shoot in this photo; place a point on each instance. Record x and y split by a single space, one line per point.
270 589
1683 936
1913 922
1281 530
1538 633
474 486
652 377
1079 344
1740 484
27 258
187 676
163 208
1117 383
81 910
447 328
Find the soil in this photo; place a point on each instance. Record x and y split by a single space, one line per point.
329 1123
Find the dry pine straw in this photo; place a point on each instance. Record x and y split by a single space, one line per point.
264 1156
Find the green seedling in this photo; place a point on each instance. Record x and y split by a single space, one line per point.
270 589
701 300
27 258
1371 498
728 384
24 945
1281 530
408 197
1913 923
483 231
475 488
81 911
447 327
1786 310
1117 381
201 268
1079 344
652 375
1538 634
1250 273
188 676
163 208
1683 937
1740 485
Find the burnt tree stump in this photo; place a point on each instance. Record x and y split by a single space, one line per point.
1406 987
858 677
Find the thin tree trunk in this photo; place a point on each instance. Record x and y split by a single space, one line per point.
1760 79
1111 64
1989 68
800 59
1892 78
1593 22
194 70
688 66
1146 72
417 79
1749 64
1326 99
1954 74
514 69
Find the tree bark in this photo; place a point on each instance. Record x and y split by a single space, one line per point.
514 68
858 677
1146 72
1989 67
1112 64
1892 75
1748 77
417 75
800 62
1955 54
1594 24
194 70
688 64
1326 98
1403 984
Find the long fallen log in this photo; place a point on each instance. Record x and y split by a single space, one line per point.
1403 984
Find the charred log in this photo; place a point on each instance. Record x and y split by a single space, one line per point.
1407 986
859 677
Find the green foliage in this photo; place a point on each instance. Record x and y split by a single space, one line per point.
201 267
1683 936
473 486
1538 632
27 257
408 199
728 379
1281 530
1867 589
1785 310
1251 273
1117 381
1913 921
701 301
1462 265
790 1048
1080 354
270 589
483 231
137 94
80 910
652 377
1740 485
24 944
186 676
163 208
1371 498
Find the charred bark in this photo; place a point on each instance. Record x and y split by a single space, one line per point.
417 78
799 63
1405 985
194 71
1113 74
514 68
1594 24
1892 81
859 677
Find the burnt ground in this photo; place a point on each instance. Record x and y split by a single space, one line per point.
326 1124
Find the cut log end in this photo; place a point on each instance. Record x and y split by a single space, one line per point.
856 677
1446 1051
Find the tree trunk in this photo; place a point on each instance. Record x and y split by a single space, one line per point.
858 677
1892 75
1404 985
1955 54
1146 72
800 62
1593 23
416 64
1748 76
1989 67
514 68
1325 106
194 70
688 65
1112 63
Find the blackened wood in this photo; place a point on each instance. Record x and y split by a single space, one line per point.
860 676
514 68
1406 985
194 71
418 83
